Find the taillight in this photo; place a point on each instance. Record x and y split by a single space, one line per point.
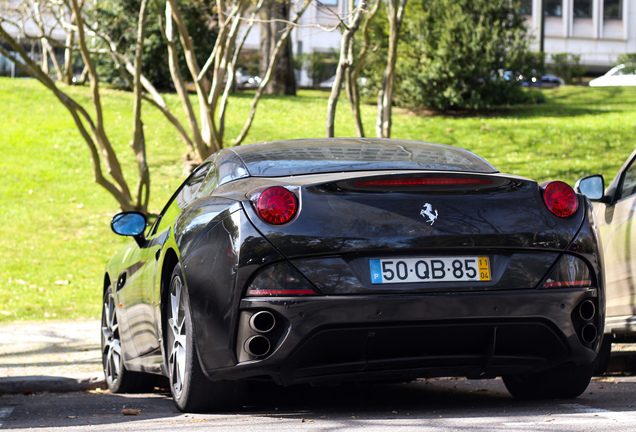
277 205
281 279
424 181
570 272
560 198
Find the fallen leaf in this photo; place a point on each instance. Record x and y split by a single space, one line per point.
130 411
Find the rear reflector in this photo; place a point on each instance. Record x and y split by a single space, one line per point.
560 198
279 292
580 283
424 181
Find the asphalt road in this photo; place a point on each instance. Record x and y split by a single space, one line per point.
609 404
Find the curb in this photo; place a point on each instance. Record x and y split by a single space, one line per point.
51 384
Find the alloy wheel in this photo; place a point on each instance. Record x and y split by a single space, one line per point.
111 345
178 342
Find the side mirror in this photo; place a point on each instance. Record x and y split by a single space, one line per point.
592 187
131 224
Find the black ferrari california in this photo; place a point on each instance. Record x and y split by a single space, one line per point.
325 261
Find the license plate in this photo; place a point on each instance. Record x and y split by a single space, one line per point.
447 269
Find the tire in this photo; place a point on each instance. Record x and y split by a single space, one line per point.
604 354
562 382
118 378
190 388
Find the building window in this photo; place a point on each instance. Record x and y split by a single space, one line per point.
582 8
328 2
613 9
525 7
553 8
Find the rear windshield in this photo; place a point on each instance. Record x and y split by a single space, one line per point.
297 157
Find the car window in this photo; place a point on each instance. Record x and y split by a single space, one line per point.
210 183
186 193
227 167
629 182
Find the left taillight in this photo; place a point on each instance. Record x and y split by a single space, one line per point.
560 198
276 205
280 279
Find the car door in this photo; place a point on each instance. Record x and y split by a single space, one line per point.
618 229
138 298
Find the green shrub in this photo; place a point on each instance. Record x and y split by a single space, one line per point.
629 60
454 54
568 66
119 19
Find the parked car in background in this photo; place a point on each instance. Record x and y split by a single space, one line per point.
615 210
549 80
243 79
543 81
620 75
324 261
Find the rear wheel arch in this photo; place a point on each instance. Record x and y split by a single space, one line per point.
107 283
169 263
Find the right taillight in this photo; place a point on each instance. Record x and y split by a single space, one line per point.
276 205
560 198
570 272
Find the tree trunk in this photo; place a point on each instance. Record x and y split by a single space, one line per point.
68 58
395 13
344 64
261 88
353 92
138 143
283 78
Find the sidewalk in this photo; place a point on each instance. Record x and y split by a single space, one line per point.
50 356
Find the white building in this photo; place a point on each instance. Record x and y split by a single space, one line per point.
13 12
316 31
597 30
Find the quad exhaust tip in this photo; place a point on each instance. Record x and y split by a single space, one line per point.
262 322
587 310
589 333
257 346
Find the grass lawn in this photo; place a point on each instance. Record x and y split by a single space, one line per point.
55 220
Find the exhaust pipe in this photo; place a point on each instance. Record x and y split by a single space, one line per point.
257 346
587 310
589 333
262 322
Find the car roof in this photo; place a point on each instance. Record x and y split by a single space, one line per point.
327 155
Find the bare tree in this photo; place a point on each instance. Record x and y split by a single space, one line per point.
91 128
395 13
345 62
349 65
218 72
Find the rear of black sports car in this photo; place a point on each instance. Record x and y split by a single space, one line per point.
376 274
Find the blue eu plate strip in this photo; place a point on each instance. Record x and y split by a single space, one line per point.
376 271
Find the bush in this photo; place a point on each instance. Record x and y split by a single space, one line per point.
568 66
319 65
629 60
119 19
454 53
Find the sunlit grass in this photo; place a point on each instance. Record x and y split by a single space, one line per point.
55 220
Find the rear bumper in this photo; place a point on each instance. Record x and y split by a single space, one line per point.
480 334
